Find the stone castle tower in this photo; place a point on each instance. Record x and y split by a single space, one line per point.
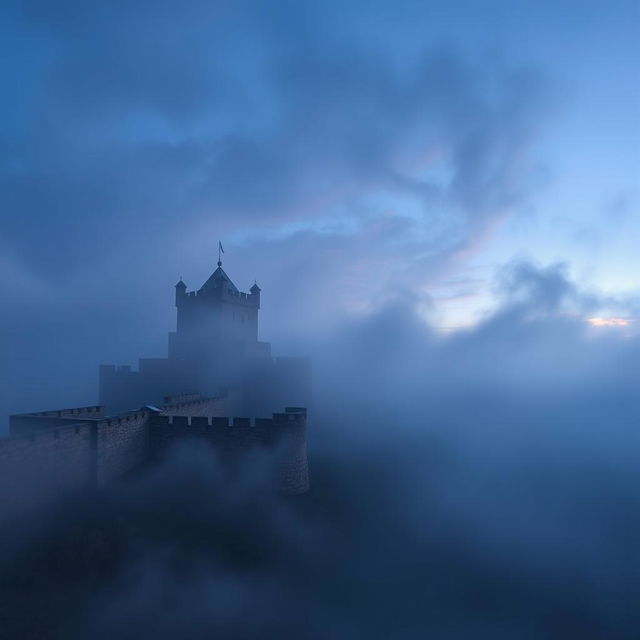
217 327
214 349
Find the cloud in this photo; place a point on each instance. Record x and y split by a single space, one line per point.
208 115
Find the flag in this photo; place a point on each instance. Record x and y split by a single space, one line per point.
220 246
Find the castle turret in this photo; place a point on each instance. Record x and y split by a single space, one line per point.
181 292
255 294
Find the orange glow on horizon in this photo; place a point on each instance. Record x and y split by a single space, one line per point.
608 322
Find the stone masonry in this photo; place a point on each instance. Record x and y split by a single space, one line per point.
62 453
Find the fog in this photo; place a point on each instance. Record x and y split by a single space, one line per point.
369 164
478 484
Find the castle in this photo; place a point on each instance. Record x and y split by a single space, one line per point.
216 368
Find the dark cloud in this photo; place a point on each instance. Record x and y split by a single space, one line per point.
150 115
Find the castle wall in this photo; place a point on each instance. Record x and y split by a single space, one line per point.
45 420
293 465
39 467
36 469
227 435
284 435
193 404
122 445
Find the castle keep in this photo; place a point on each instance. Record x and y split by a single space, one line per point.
216 369
214 350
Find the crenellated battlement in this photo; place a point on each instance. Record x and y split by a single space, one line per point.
26 423
196 405
183 398
283 433
241 296
124 418
51 453
76 412
292 417
38 437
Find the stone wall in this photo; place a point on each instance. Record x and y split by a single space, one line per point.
284 435
26 423
293 469
36 469
122 445
196 405
56 459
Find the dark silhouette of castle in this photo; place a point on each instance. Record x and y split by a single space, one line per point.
216 367
214 350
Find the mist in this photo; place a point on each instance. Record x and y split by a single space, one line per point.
439 202
476 484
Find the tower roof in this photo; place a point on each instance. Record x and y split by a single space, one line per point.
255 288
181 285
218 279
